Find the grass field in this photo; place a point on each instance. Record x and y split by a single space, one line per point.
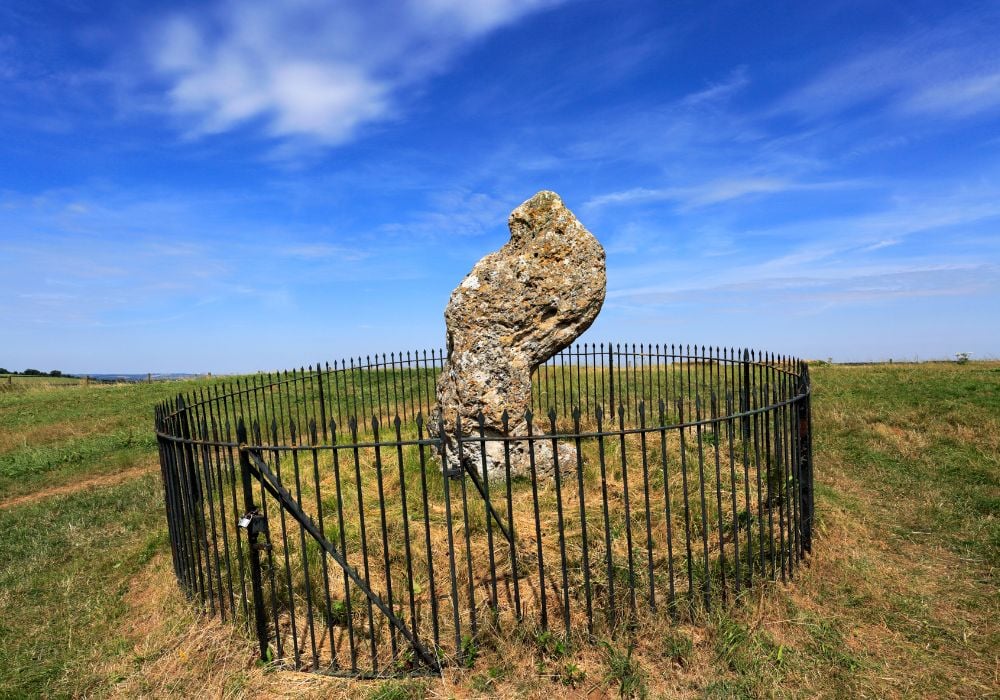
11 380
900 598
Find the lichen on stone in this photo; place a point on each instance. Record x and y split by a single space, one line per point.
518 307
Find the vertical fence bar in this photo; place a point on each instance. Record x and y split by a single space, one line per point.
385 529
289 586
583 521
505 419
805 460
699 430
628 511
779 451
793 468
328 600
611 381
175 511
791 508
266 546
645 495
473 626
352 649
223 519
253 534
745 450
755 402
481 420
355 450
716 439
167 475
768 469
195 501
608 555
745 394
730 439
302 543
559 515
206 467
231 475
435 628
528 417
408 555
320 375
446 477
671 592
687 505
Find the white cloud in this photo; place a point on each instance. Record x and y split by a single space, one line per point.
713 192
847 284
311 69
836 253
475 17
963 97
719 92
455 213
948 70
324 251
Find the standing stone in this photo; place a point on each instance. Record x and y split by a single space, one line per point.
517 308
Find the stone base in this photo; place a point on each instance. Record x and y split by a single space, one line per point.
495 456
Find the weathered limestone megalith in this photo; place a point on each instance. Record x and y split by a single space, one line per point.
517 308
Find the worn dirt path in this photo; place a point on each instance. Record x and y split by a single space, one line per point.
102 481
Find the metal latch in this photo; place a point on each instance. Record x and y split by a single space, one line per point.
255 523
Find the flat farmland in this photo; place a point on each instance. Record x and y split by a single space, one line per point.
900 598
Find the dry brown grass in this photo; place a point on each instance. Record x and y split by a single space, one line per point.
177 652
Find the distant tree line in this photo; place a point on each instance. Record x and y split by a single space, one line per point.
35 373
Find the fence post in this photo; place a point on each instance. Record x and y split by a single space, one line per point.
745 395
805 460
611 380
322 400
253 545
191 485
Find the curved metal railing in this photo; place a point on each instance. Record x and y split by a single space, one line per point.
312 505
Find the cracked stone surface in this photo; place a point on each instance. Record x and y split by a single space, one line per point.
518 307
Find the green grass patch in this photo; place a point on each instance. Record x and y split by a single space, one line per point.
65 565
899 599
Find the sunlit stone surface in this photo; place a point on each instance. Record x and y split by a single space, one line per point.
517 308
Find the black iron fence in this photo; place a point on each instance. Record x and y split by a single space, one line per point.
312 506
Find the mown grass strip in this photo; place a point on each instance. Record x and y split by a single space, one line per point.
65 566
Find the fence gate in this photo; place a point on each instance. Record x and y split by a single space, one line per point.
280 624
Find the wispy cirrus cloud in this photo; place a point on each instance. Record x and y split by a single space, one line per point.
312 70
722 90
714 192
454 213
93 255
839 259
840 286
948 70
323 251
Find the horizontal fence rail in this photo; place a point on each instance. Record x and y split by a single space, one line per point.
311 506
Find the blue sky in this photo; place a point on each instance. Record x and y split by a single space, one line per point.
235 186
